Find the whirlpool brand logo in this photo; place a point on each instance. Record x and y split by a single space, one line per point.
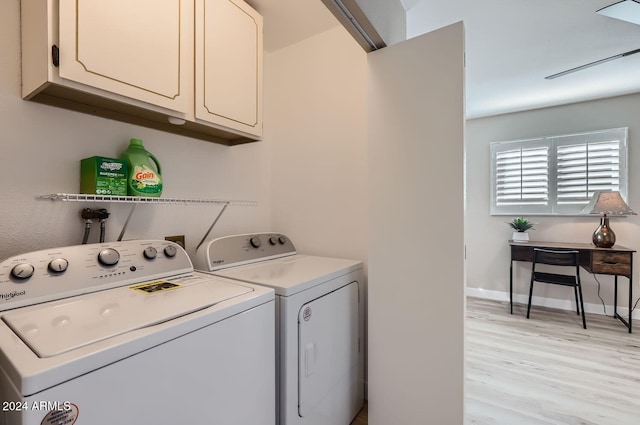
13 294
306 314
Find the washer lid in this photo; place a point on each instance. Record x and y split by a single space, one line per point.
290 275
54 328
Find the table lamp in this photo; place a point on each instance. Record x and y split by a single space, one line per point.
606 203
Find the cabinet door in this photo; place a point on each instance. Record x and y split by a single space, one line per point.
140 49
229 65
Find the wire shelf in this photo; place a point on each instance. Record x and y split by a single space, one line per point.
136 200
82 197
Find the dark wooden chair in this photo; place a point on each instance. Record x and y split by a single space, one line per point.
568 258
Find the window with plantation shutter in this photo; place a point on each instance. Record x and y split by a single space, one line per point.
559 174
522 176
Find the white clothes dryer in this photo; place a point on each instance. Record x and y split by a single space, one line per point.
128 333
319 323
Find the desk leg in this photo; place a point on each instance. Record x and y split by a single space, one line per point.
511 287
615 296
615 302
630 300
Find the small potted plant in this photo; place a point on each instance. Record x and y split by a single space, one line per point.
520 225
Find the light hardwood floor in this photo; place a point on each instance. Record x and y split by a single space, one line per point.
362 418
548 369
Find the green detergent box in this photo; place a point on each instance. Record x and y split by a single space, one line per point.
103 176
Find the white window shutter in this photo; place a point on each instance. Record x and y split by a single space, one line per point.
559 174
586 168
522 177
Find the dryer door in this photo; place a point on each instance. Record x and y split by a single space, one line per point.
328 354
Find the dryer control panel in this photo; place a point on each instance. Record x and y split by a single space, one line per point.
237 250
57 273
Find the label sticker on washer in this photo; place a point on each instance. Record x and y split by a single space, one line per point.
153 287
306 313
66 416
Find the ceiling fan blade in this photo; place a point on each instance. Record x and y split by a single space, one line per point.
589 65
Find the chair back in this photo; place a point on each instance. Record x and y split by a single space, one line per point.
556 257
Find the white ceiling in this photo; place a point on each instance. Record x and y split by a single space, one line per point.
511 45
290 21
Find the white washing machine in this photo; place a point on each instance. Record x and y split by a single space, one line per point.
319 323
128 333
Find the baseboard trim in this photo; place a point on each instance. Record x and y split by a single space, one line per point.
548 302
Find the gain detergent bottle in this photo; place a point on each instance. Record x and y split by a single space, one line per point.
145 174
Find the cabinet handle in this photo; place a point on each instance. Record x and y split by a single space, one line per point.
55 55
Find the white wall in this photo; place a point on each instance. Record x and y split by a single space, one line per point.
416 267
315 114
41 149
486 236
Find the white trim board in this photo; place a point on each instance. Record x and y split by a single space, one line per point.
568 304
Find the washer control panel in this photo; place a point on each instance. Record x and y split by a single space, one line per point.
236 250
57 273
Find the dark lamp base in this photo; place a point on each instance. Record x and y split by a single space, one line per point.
604 237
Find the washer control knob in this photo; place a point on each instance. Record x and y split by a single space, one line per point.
150 253
255 241
58 265
109 257
282 240
273 240
170 251
22 271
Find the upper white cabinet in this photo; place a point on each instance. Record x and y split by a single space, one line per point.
140 49
229 64
196 62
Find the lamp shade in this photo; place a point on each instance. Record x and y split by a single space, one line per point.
607 203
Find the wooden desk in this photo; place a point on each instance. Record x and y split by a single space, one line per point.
616 261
